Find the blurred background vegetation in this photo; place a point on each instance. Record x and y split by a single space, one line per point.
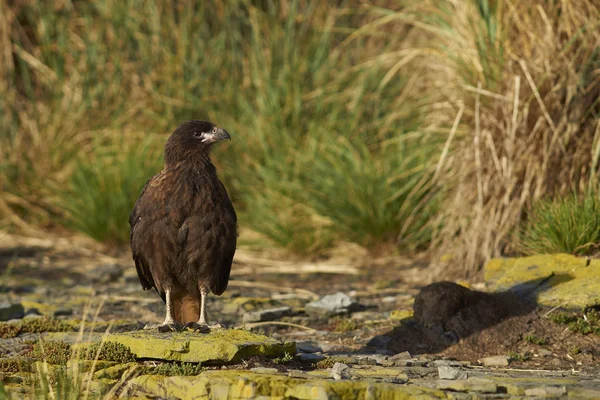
452 127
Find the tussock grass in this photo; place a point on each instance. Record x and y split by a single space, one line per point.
317 123
518 80
104 185
433 123
569 224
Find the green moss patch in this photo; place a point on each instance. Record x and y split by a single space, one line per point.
219 346
57 353
178 369
556 279
34 325
110 351
244 384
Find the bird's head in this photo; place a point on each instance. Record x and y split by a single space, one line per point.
193 140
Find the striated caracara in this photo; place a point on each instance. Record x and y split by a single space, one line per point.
183 227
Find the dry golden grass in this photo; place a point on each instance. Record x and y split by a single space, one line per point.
530 125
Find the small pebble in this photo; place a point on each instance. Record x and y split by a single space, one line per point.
544 353
307 347
340 371
330 305
452 373
263 370
310 357
405 355
63 312
270 314
495 361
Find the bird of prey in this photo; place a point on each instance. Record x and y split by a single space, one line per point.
183 228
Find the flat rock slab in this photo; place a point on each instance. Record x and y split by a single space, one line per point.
556 279
250 385
270 314
217 347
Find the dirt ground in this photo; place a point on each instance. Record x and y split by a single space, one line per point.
58 277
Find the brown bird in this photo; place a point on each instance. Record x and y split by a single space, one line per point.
183 227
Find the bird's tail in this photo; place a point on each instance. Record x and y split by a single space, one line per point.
186 307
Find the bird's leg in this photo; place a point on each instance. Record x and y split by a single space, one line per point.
203 293
202 325
169 323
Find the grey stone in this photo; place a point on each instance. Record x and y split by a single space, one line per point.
452 373
270 314
330 305
310 357
495 361
546 391
405 355
10 311
307 347
340 371
263 370
450 363
544 353
468 385
382 360
63 312
365 360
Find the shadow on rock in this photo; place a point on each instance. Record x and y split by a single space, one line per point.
445 312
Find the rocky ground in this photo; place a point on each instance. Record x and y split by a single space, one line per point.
300 330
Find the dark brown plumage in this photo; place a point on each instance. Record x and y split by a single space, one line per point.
183 226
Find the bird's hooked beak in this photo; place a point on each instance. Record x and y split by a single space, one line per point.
220 134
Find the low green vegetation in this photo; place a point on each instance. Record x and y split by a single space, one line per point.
109 351
344 324
178 369
287 357
533 339
52 352
574 350
33 325
569 224
97 186
586 323
329 362
520 357
10 365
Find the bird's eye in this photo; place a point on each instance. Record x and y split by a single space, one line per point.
214 130
197 134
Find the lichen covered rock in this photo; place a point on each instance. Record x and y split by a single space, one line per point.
219 346
242 385
555 279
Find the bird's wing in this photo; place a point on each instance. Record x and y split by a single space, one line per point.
208 238
227 245
154 231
